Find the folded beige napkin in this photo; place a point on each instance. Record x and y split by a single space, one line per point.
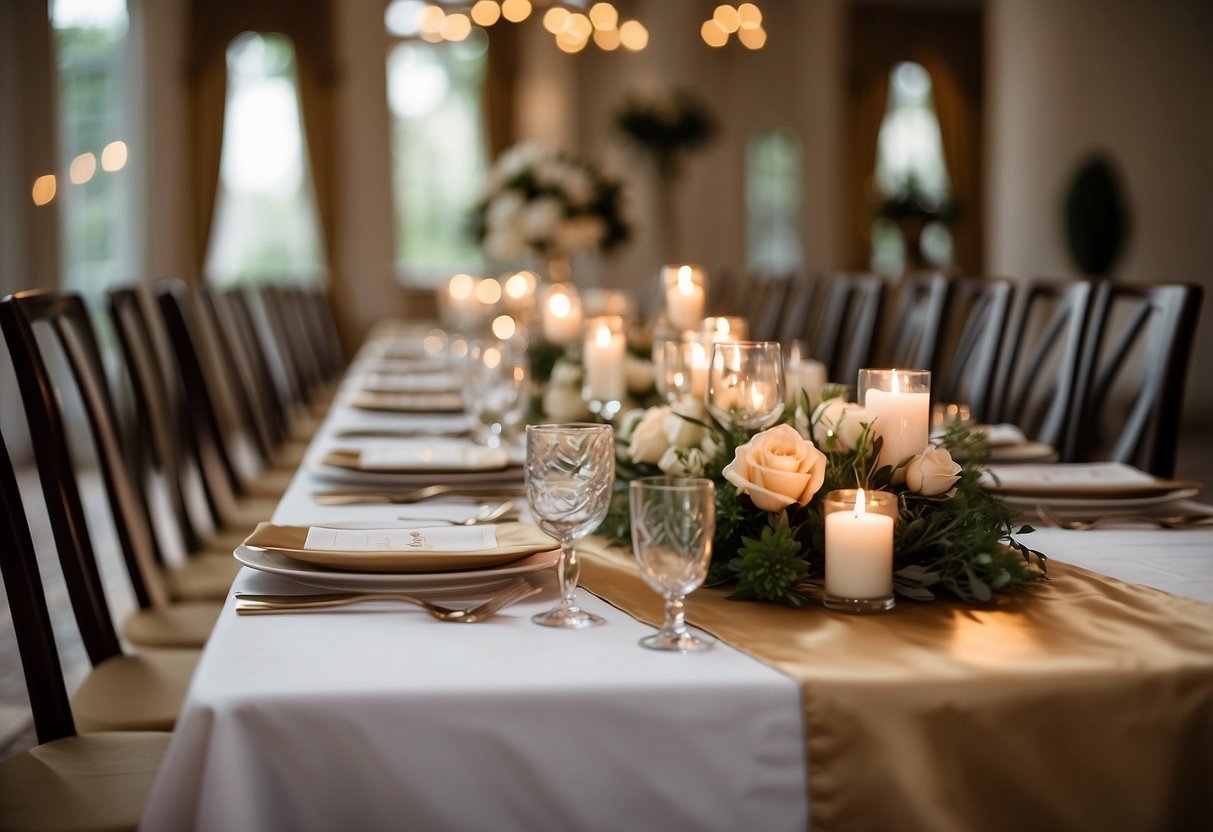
404 549
409 402
418 458
1082 480
438 382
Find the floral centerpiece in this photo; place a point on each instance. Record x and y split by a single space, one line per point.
538 203
952 537
665 124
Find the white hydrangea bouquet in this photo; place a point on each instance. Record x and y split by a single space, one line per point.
952 536
538 203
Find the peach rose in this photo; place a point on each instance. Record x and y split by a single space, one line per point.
777 468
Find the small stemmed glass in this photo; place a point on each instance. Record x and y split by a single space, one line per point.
495 389
570 470
673 522
746 384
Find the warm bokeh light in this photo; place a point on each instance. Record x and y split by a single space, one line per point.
44 189
486 12
434 341
459 348
556 19
491 357
753 38
461 286
432 19
488 291
604 16
82 168
728 18
712 34
568 42
504 327
456 27
520 284
113 156
749 15
607 39
516 11
579 25
560 305
633 35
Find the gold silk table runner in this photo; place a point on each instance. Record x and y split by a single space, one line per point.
1087 703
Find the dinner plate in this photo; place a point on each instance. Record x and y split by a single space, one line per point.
392 383
1089 505
1022 452
513 475
439 583
415 547
408 402
418 457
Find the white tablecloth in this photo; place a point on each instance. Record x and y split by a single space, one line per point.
384 718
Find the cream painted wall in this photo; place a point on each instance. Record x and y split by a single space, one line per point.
1130 78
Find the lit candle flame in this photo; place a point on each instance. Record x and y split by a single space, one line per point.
860 502
603 336
757 398
896 386
686 286
560 306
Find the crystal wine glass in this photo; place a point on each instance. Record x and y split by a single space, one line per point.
745 384
495 389
673 521
570 470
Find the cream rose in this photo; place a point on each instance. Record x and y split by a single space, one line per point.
564 404
680 432
679 462
777 468
566 374
837 424
932 472
649 441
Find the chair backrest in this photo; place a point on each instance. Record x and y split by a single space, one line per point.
976 321
66 316
322 324
767 300
31 618
799 307
1039 361
846 327
242 324
918 314
300 375
1131 379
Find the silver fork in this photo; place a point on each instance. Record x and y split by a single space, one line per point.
486 514
1168 521
416 495
249 604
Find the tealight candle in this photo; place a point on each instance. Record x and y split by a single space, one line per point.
519 291
561 314
602 358
685 295
899 404
859 550
725 328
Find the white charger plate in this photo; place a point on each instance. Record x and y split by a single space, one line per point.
276 563
512 475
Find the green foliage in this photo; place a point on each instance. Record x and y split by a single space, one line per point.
543 355
769 567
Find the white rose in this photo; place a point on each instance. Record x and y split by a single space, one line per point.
932 473
541 218
505 210
679 462
564 404
640 373
627 421
580 232
680 432
506 246
566 374
648 439
837 424
776 468
578 187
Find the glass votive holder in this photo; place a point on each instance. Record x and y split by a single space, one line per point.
603 357
561 316
899 404
685 291
859 550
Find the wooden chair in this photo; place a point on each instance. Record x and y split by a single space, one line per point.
767 300
844 335
68 781
158 622
799 307
168 449
918 315
976 318
1131 378
1039 362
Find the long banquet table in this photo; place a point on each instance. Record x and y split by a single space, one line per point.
382 717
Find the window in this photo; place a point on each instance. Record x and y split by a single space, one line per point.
772 199
439 158
89 46
265 225
912 176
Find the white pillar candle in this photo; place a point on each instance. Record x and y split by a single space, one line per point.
806 375
561 314
900 417
859 552
602 358
725 328
463 308
685 296
699 358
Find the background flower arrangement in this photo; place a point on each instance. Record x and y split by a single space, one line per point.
952 537
540 203
665 124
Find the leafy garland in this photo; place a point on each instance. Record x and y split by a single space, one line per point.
961 544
